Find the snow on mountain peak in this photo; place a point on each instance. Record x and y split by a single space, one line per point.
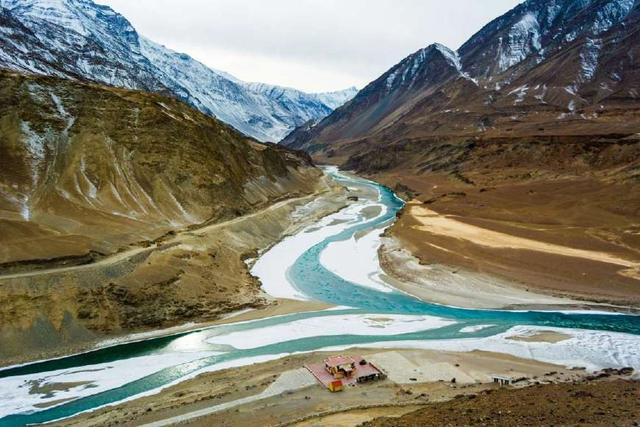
451 56
81 16
523 39
337 98
61 12
408 70
610 14
536 30
78 38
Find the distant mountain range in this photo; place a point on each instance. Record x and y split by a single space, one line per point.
83 40
547 68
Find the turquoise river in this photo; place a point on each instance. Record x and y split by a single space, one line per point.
310 278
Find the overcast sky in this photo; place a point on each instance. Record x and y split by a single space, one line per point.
314 45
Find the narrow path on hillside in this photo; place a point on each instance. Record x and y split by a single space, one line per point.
178 238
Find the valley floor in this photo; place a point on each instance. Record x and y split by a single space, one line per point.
284 393
519 244
420 378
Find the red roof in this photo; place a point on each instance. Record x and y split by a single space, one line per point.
335 361
325 378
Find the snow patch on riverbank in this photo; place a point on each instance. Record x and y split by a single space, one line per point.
348 324
23 393
356 260
474 328
593 350
271 268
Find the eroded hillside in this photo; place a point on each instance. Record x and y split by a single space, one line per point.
121 210
531 129
88 168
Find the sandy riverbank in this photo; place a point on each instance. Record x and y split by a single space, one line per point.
450 286
443 259
454 286
415 378
557 235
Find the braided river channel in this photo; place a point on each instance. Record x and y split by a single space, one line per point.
301 267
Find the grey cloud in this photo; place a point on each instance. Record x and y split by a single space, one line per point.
355 39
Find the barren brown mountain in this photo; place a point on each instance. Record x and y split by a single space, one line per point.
532 128
121 210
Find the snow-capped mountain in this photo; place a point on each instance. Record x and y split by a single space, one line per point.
83 40
545 67
392 92
303 104
537 30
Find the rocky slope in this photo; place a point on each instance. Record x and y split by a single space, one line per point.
82 40
104 178
101 165
587 403
531 129
543 70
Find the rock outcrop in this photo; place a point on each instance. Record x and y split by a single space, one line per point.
111 202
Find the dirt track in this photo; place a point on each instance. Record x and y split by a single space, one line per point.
180 236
